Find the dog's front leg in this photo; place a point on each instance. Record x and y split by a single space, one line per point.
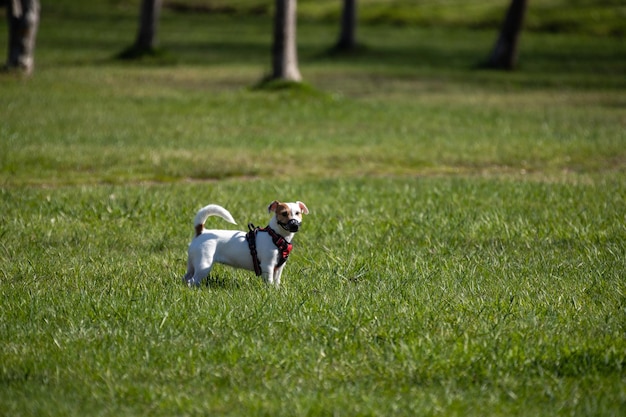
277 274
269 275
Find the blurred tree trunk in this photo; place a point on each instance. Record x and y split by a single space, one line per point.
284 51
23 19
148 25
347 33
504 54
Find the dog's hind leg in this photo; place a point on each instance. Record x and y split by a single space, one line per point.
200 272
190 271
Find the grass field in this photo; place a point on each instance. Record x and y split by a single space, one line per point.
464 255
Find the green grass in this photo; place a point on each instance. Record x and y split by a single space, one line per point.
411 103
464 254
428 296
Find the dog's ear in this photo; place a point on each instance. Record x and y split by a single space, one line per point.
303 207
272 207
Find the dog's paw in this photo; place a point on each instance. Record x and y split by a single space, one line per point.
191 283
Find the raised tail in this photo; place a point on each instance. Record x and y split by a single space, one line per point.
211 210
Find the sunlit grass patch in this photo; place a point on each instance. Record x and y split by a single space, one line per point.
424 294
464 254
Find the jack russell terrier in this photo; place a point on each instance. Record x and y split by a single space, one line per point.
263 251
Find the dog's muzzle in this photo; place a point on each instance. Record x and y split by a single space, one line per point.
291 226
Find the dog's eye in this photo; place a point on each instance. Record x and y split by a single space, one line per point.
284 214
297 213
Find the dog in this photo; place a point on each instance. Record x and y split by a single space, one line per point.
264 251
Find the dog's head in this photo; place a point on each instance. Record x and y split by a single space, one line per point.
288 215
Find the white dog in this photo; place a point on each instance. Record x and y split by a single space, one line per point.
264 251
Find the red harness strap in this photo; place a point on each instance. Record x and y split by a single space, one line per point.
280 242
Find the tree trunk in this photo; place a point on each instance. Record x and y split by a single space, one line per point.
284 52
347 33
23 19
148 25
504 54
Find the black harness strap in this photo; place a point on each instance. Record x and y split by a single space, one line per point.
251 238
280 242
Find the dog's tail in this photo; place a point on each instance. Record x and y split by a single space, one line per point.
211 210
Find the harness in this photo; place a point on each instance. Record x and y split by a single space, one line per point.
281 243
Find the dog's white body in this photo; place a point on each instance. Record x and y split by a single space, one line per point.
230 247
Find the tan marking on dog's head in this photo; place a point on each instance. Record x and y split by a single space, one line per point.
287 211
283 212
272 206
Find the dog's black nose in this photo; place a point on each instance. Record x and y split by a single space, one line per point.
293 225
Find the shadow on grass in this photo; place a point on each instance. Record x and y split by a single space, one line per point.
138 54
293 88
390 51
219 282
